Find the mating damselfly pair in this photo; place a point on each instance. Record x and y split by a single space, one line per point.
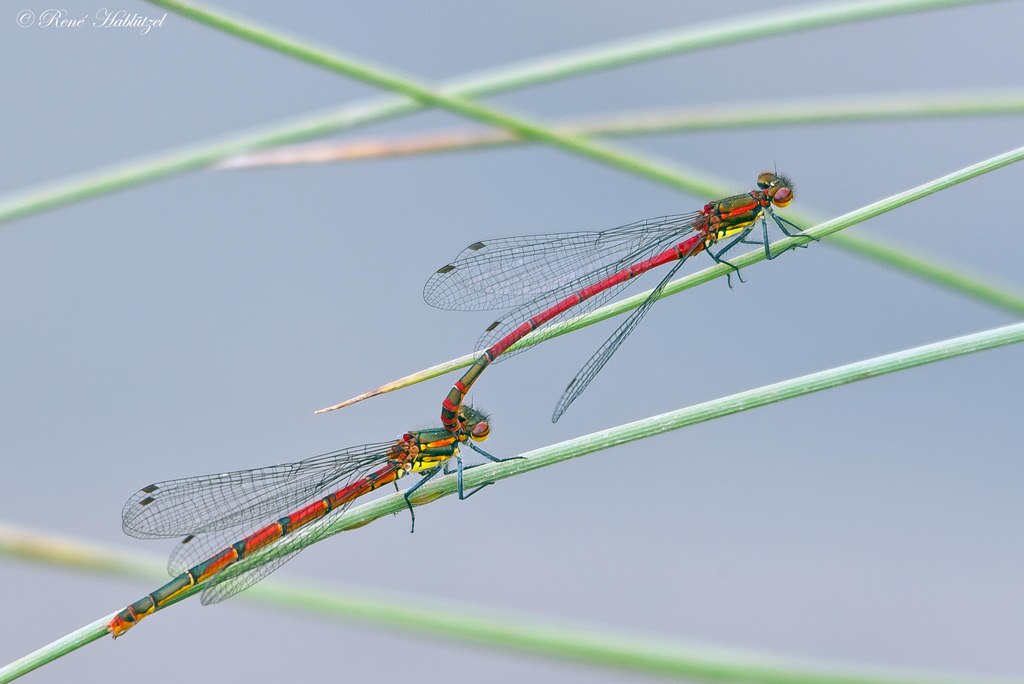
226 517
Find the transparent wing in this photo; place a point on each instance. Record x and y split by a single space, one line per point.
567 290
596 362
194 506
223 586
197 548
509 272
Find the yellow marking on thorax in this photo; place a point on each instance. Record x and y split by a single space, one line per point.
429 462
425 460
735 228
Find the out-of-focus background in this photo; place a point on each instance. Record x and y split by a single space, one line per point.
192 325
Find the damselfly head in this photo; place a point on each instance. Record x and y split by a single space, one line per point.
477 423
778 188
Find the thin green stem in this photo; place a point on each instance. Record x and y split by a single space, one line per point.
745 115
1011 301
813 111
591 648
54 650
699 413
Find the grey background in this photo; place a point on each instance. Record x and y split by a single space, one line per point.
192 325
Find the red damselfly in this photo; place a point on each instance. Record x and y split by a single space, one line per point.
559 276
210 512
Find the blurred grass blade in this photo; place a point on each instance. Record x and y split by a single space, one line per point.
528 633
403 85
585 147
681 120
533 72
1012 301
560 641
538 71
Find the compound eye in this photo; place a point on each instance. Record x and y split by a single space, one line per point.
767 180
782 197
480 431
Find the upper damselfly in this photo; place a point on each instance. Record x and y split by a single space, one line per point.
556 277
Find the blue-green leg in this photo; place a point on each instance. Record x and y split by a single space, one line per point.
717 256
408 493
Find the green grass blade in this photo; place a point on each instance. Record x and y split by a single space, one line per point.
54 650
403 85
587 444
674 420
581 446
685 120
1011 301
557 641
513 77
520 126
539 71
726 32
699 413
